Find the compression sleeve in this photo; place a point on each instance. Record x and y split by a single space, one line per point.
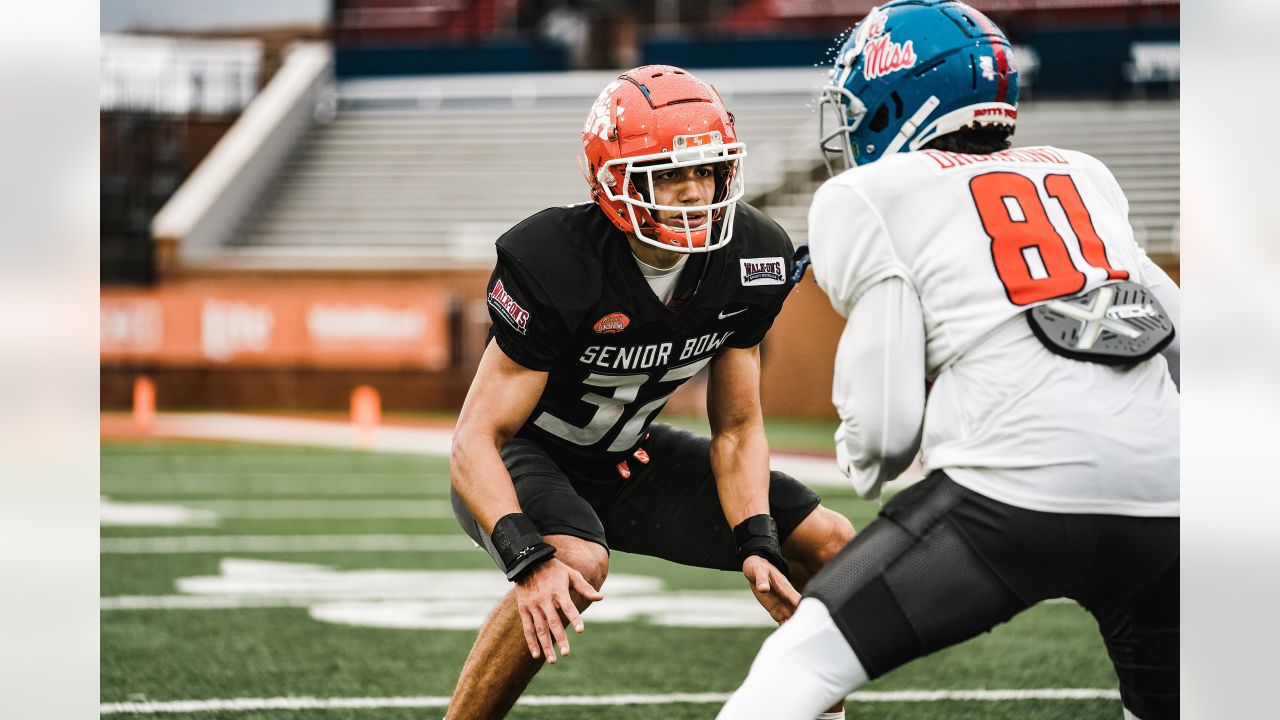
878 389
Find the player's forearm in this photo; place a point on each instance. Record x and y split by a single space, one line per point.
740 461
481 479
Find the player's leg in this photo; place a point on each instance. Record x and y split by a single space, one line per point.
1133 594
819 537
919 578
802 668
499 666
671 509
815 541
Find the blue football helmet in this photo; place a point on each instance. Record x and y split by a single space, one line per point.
913 70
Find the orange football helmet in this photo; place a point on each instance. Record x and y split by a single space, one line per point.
656 118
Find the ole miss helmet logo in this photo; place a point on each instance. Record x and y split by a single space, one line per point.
612 323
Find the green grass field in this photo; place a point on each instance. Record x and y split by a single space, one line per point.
237 571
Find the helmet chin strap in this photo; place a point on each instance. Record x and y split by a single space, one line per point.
688 240
912 124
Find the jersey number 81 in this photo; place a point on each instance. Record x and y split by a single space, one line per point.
1030 256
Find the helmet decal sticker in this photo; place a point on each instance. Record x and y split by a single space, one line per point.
598 120
884 56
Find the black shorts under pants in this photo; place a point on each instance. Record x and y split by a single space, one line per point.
668 508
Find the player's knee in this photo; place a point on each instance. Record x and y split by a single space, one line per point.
825 533
840 533
587 557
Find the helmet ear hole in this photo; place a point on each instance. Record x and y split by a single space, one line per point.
880 120
897 105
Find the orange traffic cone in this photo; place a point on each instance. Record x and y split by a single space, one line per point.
366 414
144 403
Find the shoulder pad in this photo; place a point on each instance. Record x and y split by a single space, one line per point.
758 236
560 250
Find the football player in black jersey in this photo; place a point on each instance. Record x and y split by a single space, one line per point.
600 311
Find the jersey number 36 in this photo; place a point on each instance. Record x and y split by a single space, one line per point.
1031 258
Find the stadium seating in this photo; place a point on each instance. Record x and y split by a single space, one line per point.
418 171
1137 140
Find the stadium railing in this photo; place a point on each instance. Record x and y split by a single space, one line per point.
208 207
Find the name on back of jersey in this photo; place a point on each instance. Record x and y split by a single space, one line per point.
1036 156
643 357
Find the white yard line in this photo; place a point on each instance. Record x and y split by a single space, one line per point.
284 544
439 701
325 509
349 484
203 602
255 472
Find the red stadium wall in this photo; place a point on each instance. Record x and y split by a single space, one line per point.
259 341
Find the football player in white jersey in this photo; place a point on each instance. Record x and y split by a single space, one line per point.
1007 281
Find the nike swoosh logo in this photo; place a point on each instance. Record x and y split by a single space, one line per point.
724 314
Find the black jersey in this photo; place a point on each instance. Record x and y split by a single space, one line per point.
567 297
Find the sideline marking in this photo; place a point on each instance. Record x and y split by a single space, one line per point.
409 440
438 701
284 544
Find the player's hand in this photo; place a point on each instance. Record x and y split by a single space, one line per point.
542 597
772 589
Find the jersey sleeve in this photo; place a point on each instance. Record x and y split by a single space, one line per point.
762 322
525 324
850 245
1108 187
771 297
878 388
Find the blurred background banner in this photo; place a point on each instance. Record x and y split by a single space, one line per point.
333 324
302 197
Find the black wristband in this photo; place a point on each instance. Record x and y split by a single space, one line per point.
520 545
758 535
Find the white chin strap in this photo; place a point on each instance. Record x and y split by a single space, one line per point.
908 129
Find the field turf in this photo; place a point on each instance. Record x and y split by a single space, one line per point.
234 571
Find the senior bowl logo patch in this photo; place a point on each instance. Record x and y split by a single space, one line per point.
762 271
612 323
508 308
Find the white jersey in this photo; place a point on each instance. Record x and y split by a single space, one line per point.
980 239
